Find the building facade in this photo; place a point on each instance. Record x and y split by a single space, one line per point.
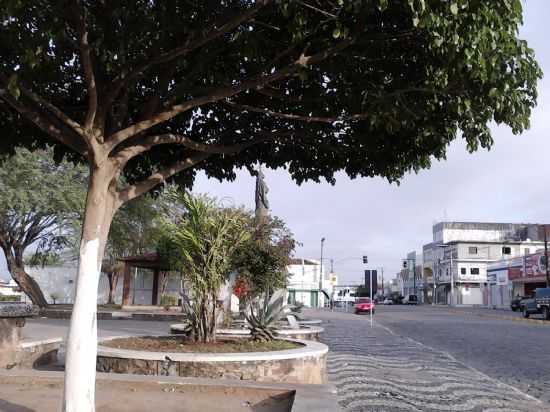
460 252
309 283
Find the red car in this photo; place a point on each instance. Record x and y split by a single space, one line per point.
364 305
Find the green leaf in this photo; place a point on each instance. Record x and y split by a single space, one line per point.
454 9
13 89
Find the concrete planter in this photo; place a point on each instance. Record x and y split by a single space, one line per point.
305 333
12 319
306 364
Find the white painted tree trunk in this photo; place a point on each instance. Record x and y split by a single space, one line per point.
80 369
80 363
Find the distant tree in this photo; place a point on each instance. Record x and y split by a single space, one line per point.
162 89
39 202
133 232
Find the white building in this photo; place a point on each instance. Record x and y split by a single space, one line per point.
460 252
305 284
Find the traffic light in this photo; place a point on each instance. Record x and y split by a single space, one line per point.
365 259
404 264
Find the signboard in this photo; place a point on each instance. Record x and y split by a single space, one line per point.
534 265
374 274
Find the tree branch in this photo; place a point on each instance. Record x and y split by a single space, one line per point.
290 116
87 64
224 92
44 124
159 177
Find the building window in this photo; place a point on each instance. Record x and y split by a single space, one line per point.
506 250
462 271
474 271
526 251
472 250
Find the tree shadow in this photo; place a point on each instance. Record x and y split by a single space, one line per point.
6 406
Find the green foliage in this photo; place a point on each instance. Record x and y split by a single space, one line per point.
262 316
199 244
400 79
10 298
261 262
168 300
39 202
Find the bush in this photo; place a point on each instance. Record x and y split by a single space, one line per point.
10 298
168 300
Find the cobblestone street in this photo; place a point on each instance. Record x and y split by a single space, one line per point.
384 369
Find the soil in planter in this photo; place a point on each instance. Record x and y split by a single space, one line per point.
177 344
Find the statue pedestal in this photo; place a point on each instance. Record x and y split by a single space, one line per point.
12 319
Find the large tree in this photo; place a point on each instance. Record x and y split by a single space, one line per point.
157 89
39 203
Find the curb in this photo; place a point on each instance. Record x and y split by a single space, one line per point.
504 317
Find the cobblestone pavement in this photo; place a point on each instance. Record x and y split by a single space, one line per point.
376 369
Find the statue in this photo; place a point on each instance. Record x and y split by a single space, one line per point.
262 204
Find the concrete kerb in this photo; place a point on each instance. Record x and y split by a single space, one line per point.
497 316
307 333
309 349
308 398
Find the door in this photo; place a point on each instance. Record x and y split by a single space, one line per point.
314 299
291 297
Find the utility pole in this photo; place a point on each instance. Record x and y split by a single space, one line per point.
321 271
371 301
546 257
382 274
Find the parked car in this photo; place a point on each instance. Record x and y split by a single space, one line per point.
528 306
364 305
515 305
410 300
387 301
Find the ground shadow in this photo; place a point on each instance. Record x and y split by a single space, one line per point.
6 406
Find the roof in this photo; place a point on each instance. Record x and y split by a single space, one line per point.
149 260
301 261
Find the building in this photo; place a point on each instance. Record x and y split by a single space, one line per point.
306 285
457 258
411 278
518 276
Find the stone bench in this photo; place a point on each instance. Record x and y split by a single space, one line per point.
12 319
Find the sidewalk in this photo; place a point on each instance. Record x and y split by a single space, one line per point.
505 314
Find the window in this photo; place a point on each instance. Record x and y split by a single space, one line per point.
462 271
526 251
474 271
472 250
506 250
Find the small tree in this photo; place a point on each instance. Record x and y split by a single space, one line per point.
200 244
262 260
39 202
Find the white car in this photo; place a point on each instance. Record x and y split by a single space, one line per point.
387 302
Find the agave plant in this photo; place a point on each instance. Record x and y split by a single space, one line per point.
263 316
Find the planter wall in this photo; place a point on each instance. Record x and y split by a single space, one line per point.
305 333
306 364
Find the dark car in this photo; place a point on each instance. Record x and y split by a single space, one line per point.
411 300
528 306
515 305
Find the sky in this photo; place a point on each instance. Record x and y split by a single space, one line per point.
368 216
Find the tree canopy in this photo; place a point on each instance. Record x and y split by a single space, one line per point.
371 87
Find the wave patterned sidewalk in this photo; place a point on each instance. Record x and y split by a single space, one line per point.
376 370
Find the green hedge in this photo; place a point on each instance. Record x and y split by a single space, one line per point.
10 298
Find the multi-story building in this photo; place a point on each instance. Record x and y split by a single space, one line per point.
308 283
411 275
458 256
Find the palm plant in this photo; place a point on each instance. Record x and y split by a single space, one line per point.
199 243
262 316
